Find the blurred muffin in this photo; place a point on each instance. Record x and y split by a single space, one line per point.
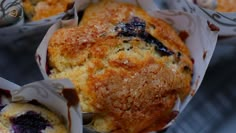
226 5
27 118
40 9
128 67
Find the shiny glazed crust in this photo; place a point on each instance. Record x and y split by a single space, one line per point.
17 109
125 79
40 9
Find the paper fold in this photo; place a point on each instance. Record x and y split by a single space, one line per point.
225 21
47 93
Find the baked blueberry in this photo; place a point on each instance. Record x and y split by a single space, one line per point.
28 118
30 122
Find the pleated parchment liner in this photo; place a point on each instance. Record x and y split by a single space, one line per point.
224 20
49 93
201 41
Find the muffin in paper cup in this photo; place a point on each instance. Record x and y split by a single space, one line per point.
53 99
26 31
213 10
200 39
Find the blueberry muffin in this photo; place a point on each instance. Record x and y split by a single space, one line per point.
128 67
27 118
40 9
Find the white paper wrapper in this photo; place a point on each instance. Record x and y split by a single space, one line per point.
47 93
201 41
11 12
225 21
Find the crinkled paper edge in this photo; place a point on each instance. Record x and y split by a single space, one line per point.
225 21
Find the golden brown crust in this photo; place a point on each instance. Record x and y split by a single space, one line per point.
226 5
129 84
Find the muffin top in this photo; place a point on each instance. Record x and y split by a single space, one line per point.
128 67
28 118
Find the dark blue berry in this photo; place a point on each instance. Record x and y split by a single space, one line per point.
136 28
30 122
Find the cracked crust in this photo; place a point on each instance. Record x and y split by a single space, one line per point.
125 80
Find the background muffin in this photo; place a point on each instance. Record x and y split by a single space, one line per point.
40 9
128 67
22 118
226 5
